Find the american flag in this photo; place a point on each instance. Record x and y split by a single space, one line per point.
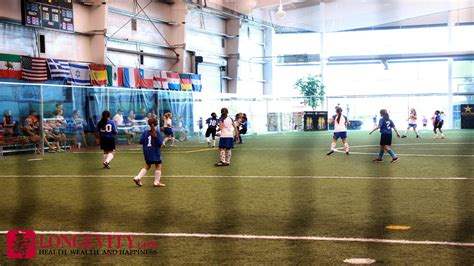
34 69
59 69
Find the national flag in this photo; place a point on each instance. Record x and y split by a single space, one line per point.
98 75
196 82
112 76
173 81
34 69
10 66
59 69
160 80
130 77
185 81
80 73
146 78
120 76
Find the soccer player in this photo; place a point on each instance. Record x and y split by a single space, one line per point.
107 133
238 118
340 130
211 130
386 125
438 124
168 130
425 121
226 141
243 127
151 141
411 123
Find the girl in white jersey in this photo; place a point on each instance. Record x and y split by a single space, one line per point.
168 130
411 123
340 130
226 141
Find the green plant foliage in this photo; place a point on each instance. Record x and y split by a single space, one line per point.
312 88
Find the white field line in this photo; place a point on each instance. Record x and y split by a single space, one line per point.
206 149
36 159
262 237
410 155
250 177
166 151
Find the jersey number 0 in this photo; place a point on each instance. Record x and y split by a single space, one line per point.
108 128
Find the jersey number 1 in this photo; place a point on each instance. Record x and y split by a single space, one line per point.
149 141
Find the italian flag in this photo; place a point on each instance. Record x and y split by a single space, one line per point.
10 66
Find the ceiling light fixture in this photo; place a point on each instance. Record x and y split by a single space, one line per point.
280 14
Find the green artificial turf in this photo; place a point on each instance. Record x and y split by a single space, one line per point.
281 184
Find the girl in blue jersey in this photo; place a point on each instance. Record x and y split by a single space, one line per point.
211 130
151 141
107 133
226 141
243 127
386 125
340 130
438 124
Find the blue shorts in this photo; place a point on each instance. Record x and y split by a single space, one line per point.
168 131
226 143
341 135
412 125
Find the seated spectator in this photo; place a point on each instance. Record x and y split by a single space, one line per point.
118 117
33 116
8 123
61 121
134 123
142 115
78 124
55 129
119 121
30 132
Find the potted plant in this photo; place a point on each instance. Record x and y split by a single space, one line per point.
312 89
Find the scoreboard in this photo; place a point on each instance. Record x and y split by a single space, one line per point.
50 14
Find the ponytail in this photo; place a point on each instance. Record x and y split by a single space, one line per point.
103 122
224 113
339 112
152 122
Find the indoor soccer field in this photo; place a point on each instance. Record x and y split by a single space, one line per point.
283 200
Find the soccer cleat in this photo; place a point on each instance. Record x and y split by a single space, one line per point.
403 136
106 165
209 144
159 185
220 164
377 160
213 146
394 160
442 137
330 152
138 182
347 153
417 136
